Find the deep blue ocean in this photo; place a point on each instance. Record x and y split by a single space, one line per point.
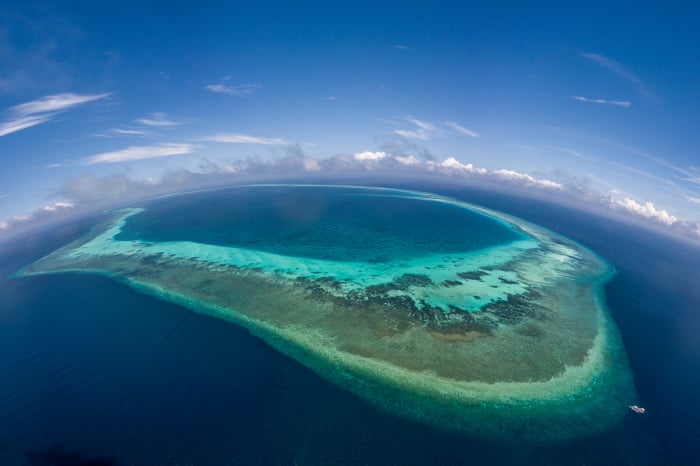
94 373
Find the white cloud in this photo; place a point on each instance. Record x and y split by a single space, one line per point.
42 110
692 175
114 132
619 70
527 179
237 138
145 126
236 90
407 160
461 129
646 210
157 119
694 200
57 206
368 155
424 125
454 164
54 103
401 47
310 164
44 212
618 103
139 153
18 124
425 130
417 134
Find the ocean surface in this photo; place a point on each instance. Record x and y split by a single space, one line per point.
95 373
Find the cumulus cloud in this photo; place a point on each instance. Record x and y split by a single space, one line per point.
139 153
57 206
237 138
369 155
42 110
452 163
236 90
648 209
43 213
407 160
527 179
618 103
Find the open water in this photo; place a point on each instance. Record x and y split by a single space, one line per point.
95 373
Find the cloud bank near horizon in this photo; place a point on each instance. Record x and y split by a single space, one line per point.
88 191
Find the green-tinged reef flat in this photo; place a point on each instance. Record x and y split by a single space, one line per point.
506 337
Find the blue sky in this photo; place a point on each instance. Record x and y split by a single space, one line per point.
601 100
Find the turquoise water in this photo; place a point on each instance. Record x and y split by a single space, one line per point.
94 371
311 222
470 335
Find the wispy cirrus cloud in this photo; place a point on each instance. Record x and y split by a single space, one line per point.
692 175
145 126
618 103
125 131
692 199
237 90
139 153
157 119
42 110
461 129
424 130
619 70
401 47
237 138
54 103
18 124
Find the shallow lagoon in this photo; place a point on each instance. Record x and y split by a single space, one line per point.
488 325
